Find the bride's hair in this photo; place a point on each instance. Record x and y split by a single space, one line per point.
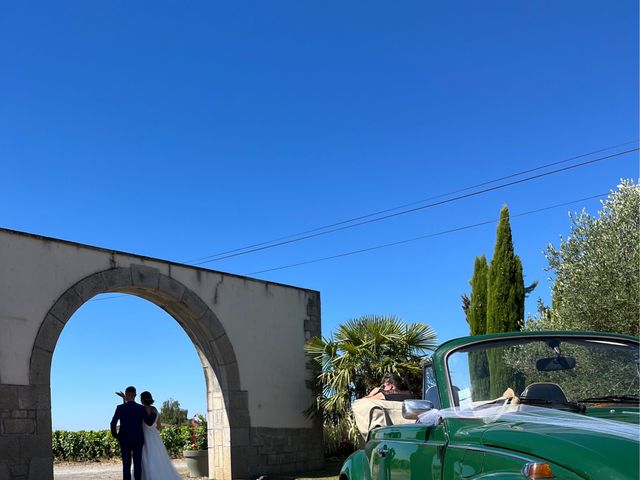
146 398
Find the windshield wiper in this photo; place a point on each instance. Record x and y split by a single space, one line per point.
574 407
612 399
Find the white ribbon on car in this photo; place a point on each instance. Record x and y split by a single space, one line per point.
529 414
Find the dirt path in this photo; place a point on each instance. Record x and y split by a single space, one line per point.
113 471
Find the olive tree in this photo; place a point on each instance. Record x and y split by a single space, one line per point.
597 268
172 414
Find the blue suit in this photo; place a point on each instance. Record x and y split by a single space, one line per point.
131 438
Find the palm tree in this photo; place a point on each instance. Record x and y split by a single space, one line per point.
353 360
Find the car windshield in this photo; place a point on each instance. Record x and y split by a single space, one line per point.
559 371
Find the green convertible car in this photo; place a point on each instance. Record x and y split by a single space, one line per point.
561 405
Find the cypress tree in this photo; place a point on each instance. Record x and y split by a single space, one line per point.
477 320
505 286
477 314
505 301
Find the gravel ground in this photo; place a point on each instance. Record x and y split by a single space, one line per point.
101 470
113 471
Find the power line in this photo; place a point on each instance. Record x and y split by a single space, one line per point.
400 242
422 237
415 209
380 212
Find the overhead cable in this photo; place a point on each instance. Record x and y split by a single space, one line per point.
421 237
416 209
400 242
380 212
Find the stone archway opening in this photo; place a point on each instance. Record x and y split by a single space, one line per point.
248 333
116 340
226 404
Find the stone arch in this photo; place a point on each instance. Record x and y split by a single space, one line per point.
227 405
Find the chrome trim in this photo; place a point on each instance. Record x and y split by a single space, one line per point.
527 467
541 334
411 409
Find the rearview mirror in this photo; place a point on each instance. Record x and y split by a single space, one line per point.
555 363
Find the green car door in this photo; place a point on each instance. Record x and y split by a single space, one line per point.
410 452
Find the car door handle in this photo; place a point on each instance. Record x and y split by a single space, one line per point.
382 452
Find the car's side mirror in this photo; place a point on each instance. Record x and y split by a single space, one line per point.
411 409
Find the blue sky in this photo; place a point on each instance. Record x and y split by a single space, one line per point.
179 130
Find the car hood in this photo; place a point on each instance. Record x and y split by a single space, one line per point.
592 453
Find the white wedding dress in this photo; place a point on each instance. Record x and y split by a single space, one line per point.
156 464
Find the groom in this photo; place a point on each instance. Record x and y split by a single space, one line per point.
130 436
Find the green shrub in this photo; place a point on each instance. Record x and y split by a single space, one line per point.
86 445
198 434
341 439
175 438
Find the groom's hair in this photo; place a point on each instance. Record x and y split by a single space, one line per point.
130 391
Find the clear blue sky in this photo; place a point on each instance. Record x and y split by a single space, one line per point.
179 130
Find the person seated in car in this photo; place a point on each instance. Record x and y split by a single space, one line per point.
393 388
382 406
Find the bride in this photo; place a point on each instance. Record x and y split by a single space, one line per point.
156 464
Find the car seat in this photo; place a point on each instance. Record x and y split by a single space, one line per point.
551 392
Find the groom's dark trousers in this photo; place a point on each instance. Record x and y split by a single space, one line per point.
131 438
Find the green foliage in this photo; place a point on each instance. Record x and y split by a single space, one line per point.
198 434
503 376
175 439
340 439
85 445
352 362
505 300
477 312
172 414
541 320
505 285
477 320
597 274
615 369
496 305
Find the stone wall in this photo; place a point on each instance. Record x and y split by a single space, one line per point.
244 331
25 432
282 450
260 451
